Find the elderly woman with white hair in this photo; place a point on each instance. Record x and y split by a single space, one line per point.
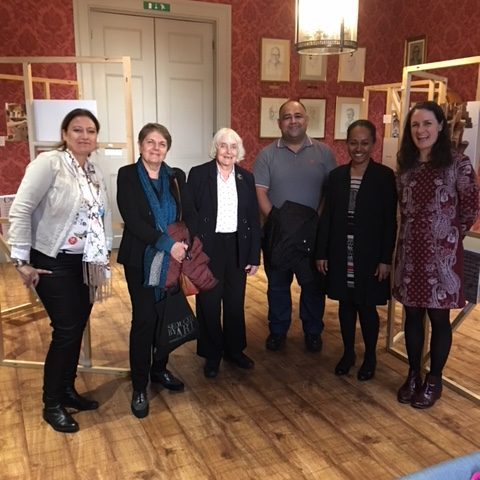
229 227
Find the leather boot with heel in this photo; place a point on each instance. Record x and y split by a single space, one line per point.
412 384
430 392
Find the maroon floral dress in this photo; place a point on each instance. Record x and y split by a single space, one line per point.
437 208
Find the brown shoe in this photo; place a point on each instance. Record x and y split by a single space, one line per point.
430 392
412 384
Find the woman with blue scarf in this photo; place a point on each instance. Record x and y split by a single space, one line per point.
150 196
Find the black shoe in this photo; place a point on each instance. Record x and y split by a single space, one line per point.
72 399
60 419
240 360
366 371
140 404
275 342
168 380
345 364
210 370
313 342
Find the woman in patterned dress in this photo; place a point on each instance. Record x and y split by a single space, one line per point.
438 197
355 244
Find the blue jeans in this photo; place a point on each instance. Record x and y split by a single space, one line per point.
312 303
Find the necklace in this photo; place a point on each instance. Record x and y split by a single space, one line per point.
89 186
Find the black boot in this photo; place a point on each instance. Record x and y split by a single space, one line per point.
428 394
60 419
412 385
72 399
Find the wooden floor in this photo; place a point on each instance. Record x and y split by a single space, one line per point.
289 418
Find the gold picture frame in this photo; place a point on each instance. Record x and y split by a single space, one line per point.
351 66
415 50
313 68
275 60
315 108
269 108
347 110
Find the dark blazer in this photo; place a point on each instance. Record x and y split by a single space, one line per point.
374 232
139 229
202 185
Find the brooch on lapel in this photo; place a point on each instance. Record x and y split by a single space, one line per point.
239 176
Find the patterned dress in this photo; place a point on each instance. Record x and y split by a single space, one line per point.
437 208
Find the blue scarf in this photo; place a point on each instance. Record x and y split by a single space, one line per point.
164 209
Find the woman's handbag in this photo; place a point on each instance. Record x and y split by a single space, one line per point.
176 323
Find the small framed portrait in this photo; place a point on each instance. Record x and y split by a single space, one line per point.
415 51
351 66
16 116
269 108
316 116
275 60
347 110
313 67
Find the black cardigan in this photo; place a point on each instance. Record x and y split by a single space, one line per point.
374 232
139 222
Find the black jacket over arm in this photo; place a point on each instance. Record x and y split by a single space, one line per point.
202 185
375 227
139 222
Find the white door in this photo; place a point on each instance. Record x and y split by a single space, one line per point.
172 84
184 65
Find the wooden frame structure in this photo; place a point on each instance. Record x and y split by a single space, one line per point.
28 81
34 305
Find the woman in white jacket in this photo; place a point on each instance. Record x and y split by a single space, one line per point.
60 236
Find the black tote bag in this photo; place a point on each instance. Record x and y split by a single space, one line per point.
176 323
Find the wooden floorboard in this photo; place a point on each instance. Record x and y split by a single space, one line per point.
289 418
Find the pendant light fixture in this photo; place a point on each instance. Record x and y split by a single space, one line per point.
326 27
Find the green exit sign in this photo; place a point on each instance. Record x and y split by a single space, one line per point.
160 7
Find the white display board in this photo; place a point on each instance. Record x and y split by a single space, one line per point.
48 116
472 135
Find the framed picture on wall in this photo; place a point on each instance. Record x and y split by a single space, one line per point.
415 50
275 58
313 67
269 108
351 66
347 110
316 116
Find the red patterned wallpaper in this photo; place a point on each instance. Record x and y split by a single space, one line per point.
384 25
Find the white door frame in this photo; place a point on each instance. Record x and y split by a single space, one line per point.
217 14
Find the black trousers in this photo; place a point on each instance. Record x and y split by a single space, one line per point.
142 331
229 295
66 300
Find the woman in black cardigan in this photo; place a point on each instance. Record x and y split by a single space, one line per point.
355 244
150 196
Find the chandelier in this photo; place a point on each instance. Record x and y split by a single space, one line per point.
325 27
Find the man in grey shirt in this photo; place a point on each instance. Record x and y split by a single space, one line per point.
293 169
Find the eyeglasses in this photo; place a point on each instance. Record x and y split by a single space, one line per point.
225 146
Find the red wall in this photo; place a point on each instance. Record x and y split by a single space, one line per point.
384 25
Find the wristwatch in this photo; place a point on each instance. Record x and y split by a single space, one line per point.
19 263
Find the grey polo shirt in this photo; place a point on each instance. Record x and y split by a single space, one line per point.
299 177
